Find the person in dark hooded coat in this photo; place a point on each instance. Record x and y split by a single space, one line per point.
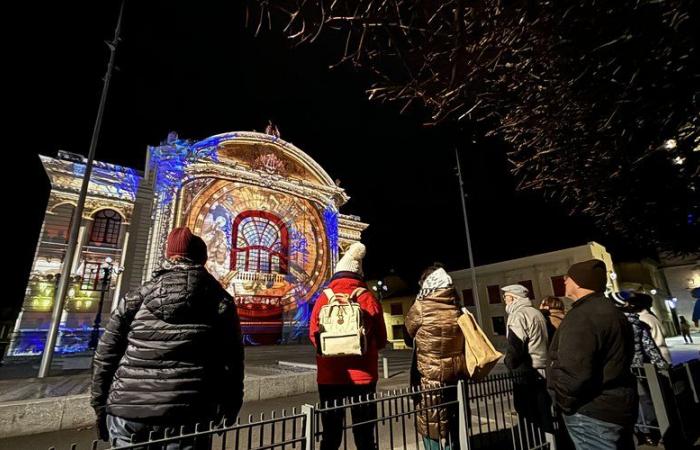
171 354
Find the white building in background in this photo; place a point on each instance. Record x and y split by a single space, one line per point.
682 276
542 274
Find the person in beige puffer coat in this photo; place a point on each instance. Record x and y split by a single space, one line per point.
439 347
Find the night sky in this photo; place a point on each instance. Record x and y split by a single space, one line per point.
196 70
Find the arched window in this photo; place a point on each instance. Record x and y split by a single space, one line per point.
105 228
260 241
57 225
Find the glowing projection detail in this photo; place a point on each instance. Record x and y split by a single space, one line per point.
277 251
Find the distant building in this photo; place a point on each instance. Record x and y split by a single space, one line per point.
542 274
396 299
682 275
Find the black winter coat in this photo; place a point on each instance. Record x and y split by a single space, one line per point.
172 351
589 362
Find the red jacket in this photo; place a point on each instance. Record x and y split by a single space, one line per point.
352 369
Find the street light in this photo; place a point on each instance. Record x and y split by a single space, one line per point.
380 288
72 246
107 268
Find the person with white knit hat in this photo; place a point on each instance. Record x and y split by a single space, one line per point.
439 358
352 259
345 377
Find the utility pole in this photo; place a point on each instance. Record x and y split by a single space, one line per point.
71 248
475 288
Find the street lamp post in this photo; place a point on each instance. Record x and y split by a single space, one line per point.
475 289
71 248
107 269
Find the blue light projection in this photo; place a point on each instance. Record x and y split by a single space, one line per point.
222 220
302 315
171 159
298 245
72 340
330 219
113 179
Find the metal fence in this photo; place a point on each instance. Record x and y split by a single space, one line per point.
390 419
670 403
286 430
482 415
485 415
495 420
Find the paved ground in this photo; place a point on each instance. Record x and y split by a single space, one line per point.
62 440
681 351
260 361
15 368
396 434
257 358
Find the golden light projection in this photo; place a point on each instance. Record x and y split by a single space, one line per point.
269 216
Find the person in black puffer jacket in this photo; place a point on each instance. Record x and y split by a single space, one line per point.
171 354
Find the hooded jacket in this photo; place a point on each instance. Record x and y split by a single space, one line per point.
527 336
171 350
439 347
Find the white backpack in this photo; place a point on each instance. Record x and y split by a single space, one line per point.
340 325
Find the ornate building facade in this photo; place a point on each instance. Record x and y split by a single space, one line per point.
267 211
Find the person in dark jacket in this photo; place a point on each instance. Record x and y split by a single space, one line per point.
171 354
588 371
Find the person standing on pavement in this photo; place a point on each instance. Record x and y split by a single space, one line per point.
171 354
526 356
588 371
350 377
440 359
685 330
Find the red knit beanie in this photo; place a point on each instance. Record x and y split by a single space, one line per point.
181 242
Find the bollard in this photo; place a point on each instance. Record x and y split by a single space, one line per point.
385 366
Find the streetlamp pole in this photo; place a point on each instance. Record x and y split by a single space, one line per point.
71 248
106 279
475 288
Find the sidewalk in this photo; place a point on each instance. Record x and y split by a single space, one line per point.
259 362
84 436
33 406
682 352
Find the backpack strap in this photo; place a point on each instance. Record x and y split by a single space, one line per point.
356 293
330 295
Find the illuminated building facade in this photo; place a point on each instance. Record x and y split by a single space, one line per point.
267 211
